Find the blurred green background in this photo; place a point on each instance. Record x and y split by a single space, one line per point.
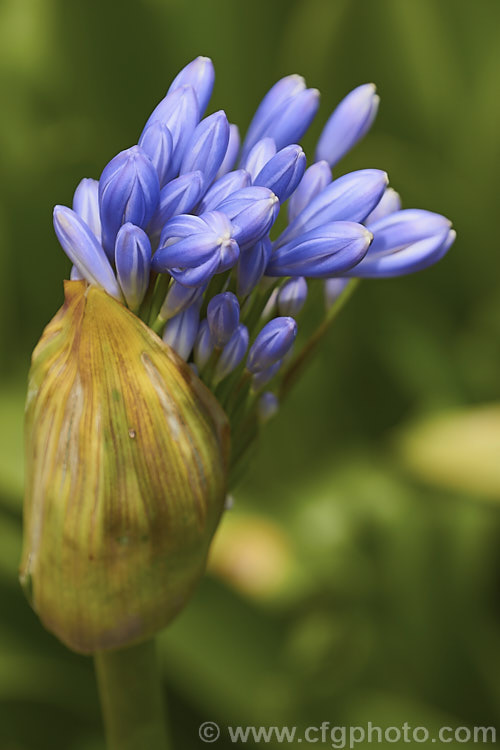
357 577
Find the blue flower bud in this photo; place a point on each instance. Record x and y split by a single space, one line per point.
178 298
186 241
129 190
232 354
252 212
325 251
200 75
333 289
274 105
315 179
251 265
348 123
405 242
292 296
292 122
223 315
223 188
83 249
267 406
179 112
179 196
261 378
133 263
388 204
232 151
259 155
86 204
180 331
349 198
283 172
204 345
271 344
156 142
193 248
207 146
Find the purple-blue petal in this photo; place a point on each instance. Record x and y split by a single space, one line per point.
129 190
200 75
133 263
223 315
283 172
86 204
272 343
348 123
349 198
315 179
207 146
322 252
84 251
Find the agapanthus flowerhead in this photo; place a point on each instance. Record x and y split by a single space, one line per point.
184 319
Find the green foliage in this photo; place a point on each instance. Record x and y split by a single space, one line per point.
388 606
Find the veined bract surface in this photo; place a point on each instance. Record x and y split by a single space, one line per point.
126 466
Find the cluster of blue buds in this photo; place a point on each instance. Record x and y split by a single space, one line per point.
180 228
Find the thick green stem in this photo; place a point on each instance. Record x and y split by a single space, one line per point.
131 698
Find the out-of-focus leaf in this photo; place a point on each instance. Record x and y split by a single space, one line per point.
459 450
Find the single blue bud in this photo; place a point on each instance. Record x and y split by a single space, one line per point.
349 198
179 196
261 378
251 265
405 242
193 248
283 172
204 345
84 251
133 263
259 155
252 212
315 179
271 344
270 107
178 298
180 331
232 151
267 406
325 251
186 241
292 296
292 122
388 204
156 142
129 190
223 188
200 75
223 315
333 289
207 146
179 112
232 354
86 204
348 123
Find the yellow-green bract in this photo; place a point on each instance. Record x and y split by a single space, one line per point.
126 459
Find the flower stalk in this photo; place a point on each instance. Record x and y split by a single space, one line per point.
132 700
